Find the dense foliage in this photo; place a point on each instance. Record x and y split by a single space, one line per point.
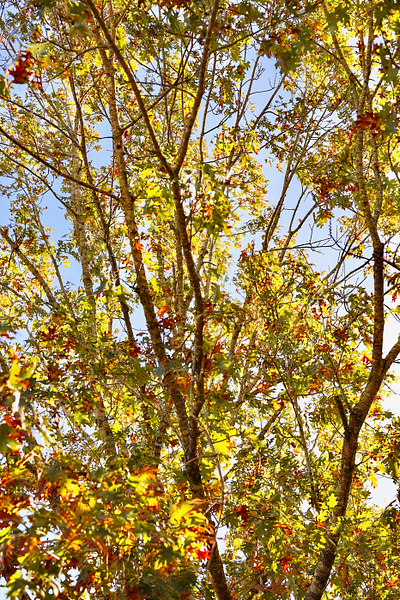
192 355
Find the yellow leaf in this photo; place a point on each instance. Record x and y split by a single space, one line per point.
179 512
147 258
222 446
75 544
14 373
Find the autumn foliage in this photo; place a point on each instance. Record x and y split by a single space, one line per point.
198 299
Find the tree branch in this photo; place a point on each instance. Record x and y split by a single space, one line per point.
44 162
35 272
200 90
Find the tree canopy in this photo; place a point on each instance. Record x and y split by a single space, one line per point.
199 271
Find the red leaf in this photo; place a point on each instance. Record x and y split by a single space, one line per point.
368 121
134 593
243 513
203 554
21 71
286 564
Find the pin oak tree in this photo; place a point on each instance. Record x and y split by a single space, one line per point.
199 265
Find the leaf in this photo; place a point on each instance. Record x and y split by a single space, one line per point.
22 70
8 438
368 121
222 446
181 512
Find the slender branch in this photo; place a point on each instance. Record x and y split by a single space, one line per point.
124 65
96 201
269 423
340 56
44 162
342 412
35 272
41 179
200 90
